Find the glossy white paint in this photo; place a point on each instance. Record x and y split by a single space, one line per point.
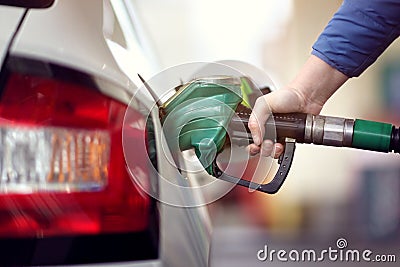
70 33
9 20
150 263
184 241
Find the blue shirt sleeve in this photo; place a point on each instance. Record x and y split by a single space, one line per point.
358 34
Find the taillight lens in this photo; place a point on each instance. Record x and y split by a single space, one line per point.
52 159
62 169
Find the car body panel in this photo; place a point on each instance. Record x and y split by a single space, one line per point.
186 240
79 35
149 263
71 34
10 18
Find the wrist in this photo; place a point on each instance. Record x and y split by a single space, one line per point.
315 83
304 103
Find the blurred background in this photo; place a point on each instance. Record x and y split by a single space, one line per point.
330 193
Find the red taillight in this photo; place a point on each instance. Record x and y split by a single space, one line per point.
62 169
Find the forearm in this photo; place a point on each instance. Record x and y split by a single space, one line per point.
315 83
358 34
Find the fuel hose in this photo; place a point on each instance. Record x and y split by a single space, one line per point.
329 131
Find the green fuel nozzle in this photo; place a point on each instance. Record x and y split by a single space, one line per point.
206 113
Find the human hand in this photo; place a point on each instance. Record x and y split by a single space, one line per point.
285 100
307 93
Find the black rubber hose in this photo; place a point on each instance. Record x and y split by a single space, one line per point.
395 140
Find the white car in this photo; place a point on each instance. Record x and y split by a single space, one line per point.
65 193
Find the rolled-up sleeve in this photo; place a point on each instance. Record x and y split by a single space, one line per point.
358 34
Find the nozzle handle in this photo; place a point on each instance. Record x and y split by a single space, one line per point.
291 125
285 162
